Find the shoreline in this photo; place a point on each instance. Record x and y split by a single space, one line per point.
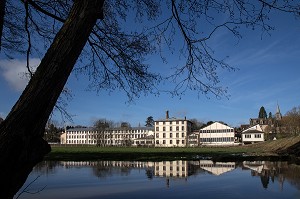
220 154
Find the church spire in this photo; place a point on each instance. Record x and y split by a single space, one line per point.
278 115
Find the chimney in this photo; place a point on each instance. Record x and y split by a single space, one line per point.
167 115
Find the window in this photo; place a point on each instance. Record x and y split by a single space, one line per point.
171 128
182 141
164 141
156 123
171 141
171 135
177 135
157 135
257 135
182 128
247 136
182 135
177 141
157 128
177 122
170 122
177 128
164 128
164 135
157 142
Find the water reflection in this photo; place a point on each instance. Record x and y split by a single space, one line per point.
111 178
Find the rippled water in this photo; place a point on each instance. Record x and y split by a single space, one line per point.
175 179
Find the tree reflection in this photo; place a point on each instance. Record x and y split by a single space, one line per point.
265 171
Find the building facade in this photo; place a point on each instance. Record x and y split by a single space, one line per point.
253 134
108 137
172 132
216 134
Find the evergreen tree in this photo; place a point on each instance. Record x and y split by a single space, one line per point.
149 121
270 115
262 113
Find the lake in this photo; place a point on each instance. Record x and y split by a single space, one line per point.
165 179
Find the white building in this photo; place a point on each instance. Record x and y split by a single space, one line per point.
252 135
216 134
216 168
177 168
108 137
172 132
193 139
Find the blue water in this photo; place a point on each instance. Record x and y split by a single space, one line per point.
177 179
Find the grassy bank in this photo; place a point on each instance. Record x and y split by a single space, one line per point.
266 150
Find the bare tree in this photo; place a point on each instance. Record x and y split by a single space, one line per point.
116 56
102 132
290 123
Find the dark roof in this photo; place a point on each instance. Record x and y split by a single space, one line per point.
118 128
172 119
252 131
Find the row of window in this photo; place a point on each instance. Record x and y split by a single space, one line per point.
220 139
170 168
105 137
143 142
170 135
255 136
171 174
170 142
108 131
170 129
217 131
95 142
170 122
217 165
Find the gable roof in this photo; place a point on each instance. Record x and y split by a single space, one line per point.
216 125
253 128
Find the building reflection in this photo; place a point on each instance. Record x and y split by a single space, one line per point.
268 172
216 168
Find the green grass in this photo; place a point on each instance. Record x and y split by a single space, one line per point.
153 154
263 151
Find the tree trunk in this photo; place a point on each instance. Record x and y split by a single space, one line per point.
21 143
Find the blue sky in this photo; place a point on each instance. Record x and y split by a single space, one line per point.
268 73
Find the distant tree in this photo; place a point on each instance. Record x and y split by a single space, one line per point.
149 121
125 125
207 124
52 133
1 120
270 115
262 113
101 126
291 121
196 124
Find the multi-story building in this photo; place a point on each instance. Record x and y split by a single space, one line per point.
108 137
216 134
177 168
172 132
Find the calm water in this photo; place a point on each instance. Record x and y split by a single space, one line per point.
175 179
